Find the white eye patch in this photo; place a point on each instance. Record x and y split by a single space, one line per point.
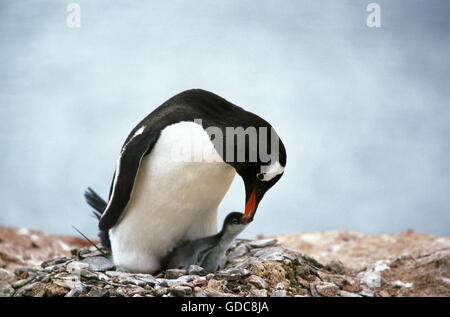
269 172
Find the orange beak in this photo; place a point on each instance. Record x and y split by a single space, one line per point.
250 206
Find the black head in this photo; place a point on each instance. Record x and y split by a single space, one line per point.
245 141
235 218
260 174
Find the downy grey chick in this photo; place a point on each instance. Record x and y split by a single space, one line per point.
208 252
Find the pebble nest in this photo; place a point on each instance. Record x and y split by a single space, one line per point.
255 268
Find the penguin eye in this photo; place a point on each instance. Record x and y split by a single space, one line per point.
260 176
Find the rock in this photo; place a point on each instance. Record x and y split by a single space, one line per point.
273 254
78 289
327 289
54 261
46 278
76 267
257 281
254 292
132 281
31 290
20 283
180 291
232 274
384 293
6 277
312 288
212 293
262 243
278 293
161 291
174 273
348 294
6 290
366 292
196 270
239 251
399 284
53 290
88 274
200 282
98 292
338 280
371 279
336 267
147 278
316 263
99 263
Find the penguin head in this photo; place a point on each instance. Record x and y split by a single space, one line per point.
260 176
234 223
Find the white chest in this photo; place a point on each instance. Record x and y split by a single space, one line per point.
174 198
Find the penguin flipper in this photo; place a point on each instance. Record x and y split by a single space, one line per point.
135 148
207 245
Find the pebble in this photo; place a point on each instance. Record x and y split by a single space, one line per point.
366 292
254 292
232 274
278 293
180 291
338 280
196 270
20 283
54 261
147 278
348 294
336 266
327 289
257 281
174 273
99 263
161 291
263 243
6 290
7 276
312 288
46 278
88 274
240 250
98 292
25 290
316 263
213 293
273 253
76 266
371 279
132 281
77 290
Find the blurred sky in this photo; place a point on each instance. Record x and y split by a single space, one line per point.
363 112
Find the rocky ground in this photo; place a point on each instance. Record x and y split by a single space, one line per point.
302 264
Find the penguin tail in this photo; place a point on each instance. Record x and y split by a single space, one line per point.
95 201
99 205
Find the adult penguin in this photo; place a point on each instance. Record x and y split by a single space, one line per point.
173 171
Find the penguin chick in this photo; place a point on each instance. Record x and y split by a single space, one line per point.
208 252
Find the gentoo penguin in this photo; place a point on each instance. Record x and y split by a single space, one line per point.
207 252
174 169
